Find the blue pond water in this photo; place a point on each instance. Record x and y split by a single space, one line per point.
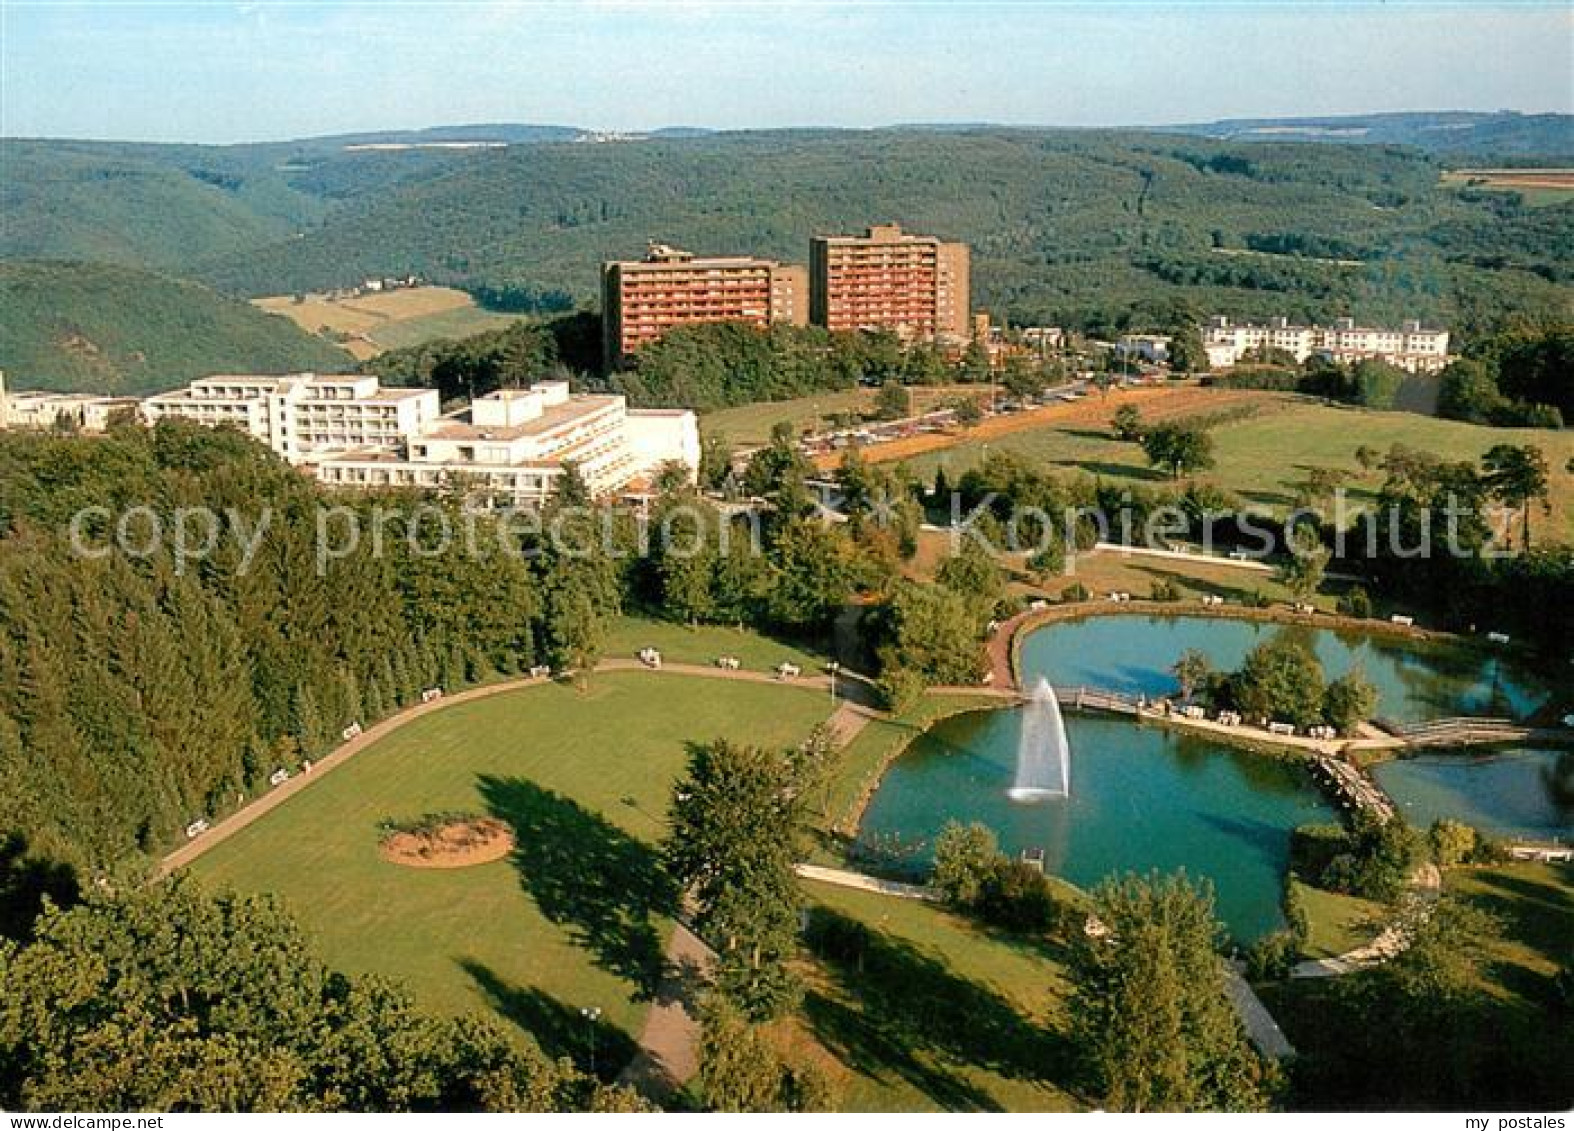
1506 793
1141 798
1146 798
1133 653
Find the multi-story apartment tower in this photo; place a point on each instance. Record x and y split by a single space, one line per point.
642 299
888 279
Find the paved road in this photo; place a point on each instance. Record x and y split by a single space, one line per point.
1260 1026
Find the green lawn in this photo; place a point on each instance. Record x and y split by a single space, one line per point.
750 425
702 644
937 1013
1262 457
578 916
1534 907
1337 923
461 322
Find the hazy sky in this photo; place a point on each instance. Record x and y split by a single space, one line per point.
217 72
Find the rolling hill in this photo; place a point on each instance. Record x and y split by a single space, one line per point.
1092 229
1080 228
1503 135
113 329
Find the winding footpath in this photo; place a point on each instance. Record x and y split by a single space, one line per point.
848 723
668 1055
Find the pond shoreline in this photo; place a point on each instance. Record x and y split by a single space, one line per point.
1033 619
1368 748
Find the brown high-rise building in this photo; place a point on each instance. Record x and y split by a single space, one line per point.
891 280
643 299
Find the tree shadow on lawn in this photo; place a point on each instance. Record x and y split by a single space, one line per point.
902 1012
1199 584
561 1030
1532 914
588 875
1108 470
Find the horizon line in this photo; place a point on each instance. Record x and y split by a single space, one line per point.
973 124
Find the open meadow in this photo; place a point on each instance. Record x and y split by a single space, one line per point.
1538 186
369 324
578 916
1264 445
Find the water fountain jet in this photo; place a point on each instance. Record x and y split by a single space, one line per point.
1043 755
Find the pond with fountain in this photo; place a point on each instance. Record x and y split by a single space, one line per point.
1101 795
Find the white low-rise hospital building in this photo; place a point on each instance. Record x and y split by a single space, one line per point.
1408 347
515 443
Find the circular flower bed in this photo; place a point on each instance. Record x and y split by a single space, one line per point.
446 841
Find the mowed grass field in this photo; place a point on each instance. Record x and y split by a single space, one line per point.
578 917
750 425
369 324
702 644
1262 457
935 1013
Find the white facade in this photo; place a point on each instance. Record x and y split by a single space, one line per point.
516 442
351 432
86 412
302 415
1409 347
1149 347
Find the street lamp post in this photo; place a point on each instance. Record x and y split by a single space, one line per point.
833 667
592 1014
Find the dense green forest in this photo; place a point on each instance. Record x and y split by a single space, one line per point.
1093 229
136 696
166 999
138 692
119 329
1068 228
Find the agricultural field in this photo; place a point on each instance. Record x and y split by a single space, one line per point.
578 915
1266 445
1537 186
369 324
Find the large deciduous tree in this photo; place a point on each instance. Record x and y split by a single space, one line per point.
738 824
1517 476
1180 449
1152 1016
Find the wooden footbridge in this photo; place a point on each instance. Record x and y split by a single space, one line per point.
1096 699
1462 730
1352 789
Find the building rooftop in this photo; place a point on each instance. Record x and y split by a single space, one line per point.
459 425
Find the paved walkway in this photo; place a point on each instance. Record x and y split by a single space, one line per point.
860 882
1253 565
265 803
849 721
668 1054
1427 882
1260 1026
